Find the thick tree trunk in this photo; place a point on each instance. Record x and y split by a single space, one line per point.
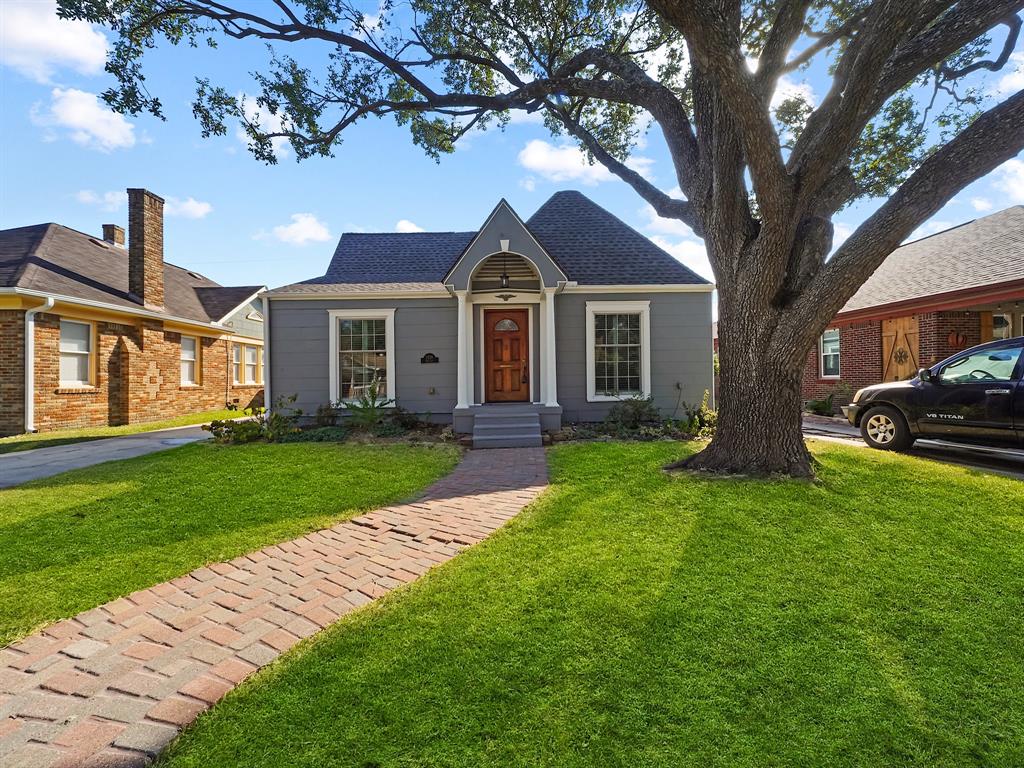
759 410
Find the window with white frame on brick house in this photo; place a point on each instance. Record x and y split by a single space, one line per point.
189 361
76 354
829 354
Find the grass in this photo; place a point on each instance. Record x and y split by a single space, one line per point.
30 440
630 618
79 539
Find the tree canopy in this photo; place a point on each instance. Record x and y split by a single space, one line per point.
760 180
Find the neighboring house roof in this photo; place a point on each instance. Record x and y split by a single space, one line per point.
589 244
985 252
51 258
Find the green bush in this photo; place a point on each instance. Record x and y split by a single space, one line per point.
276 426
699 420
317 435
370 410
631 412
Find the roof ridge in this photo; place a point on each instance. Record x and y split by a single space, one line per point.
27 262
958 226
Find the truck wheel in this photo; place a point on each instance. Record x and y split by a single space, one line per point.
885 428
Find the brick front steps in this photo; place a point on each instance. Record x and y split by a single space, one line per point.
114 685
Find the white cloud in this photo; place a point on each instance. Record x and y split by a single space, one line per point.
305 228
267 122
528 183
189 208
569 163
788 89
929 228
1013 80
840 233
691 253
1010 179
981 204
86 120
655 224
36 43
404 225
107 201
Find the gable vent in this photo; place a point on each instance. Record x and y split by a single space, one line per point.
518 268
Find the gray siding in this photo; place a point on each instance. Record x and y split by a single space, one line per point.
680 350
242 326
504 225
299 351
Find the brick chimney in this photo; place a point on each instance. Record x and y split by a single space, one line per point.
146 247
113 234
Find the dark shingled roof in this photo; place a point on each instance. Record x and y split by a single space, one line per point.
587 242
986 251
52 258
593 247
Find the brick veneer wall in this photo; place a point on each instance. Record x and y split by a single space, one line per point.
860 363
936 328
12 371
138 378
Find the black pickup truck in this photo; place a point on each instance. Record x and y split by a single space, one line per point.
975 396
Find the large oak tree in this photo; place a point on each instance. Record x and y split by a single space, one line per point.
760 183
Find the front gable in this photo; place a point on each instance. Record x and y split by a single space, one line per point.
504 225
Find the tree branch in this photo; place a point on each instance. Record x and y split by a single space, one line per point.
992 139
666 206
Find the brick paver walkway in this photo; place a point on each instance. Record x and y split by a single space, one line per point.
112 686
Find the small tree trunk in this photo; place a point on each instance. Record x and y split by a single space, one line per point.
760 430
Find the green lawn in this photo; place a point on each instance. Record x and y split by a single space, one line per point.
635 619
32 440
77 540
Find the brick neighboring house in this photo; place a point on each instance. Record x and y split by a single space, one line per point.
929 299
115 335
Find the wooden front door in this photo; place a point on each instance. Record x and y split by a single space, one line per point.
900 348
506 356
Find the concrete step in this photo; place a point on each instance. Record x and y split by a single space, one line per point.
508 441
496 425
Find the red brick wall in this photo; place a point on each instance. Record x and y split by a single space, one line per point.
939 331
860 349
137 378
12 371
860 363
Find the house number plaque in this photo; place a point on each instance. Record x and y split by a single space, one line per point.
430 357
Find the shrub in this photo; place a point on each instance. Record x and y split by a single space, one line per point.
631 412
822 407
699 420
369 411
326 415
277 425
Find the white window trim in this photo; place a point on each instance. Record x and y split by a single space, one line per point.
90 356
611 307
196 370
821 356
334 315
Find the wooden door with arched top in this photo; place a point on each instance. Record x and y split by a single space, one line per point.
506 356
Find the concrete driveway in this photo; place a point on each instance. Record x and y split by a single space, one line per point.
1002 461
20 467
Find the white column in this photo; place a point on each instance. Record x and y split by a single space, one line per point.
470 352
461 362
550 378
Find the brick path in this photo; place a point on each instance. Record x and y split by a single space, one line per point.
114 685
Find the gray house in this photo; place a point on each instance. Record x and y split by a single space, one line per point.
504 332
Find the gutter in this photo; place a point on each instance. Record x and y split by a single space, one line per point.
30 361
132 311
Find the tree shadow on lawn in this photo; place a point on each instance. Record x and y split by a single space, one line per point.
637 619
77 540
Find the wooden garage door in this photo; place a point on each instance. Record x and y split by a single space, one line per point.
900 348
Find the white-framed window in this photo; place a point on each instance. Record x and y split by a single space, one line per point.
76 354
828 349
246 364
362 350
618 350
189 361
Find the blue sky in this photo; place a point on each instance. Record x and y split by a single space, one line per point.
66 158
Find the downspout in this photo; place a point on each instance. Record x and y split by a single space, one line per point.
30 361
266 352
